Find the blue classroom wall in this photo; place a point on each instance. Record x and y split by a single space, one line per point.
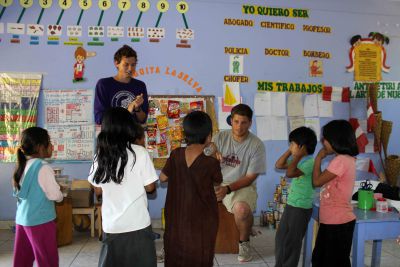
207 63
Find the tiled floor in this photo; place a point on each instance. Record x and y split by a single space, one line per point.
84 251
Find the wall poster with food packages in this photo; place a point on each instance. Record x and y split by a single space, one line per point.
164 130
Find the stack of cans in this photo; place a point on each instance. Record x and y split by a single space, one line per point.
272 216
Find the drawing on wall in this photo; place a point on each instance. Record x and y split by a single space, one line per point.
236 64
79 67
315 68
368 57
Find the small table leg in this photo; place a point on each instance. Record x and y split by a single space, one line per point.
376 253
358 246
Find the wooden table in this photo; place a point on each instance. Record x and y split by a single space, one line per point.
370 225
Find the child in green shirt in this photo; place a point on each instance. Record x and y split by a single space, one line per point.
298 210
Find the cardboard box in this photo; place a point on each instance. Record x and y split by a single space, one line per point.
82 197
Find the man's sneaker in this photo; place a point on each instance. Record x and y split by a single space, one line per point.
244 252
161 256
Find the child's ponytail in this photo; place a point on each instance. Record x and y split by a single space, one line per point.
19 170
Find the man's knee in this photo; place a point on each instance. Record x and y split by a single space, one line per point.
242 210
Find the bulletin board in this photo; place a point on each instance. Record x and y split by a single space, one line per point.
153 142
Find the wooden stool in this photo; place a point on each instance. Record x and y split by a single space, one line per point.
228 234
91 211
64 222
98 220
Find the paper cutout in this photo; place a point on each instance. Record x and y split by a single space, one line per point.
35 29
15 28
236 64
115 31
96 31
231 94
222 115
226 108
368 57
74 31
316 69
137 32
54 30
184 34
79 67
156 33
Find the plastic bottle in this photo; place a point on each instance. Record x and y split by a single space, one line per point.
382 205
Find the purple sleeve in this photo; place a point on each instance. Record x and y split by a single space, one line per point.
145 105
99 102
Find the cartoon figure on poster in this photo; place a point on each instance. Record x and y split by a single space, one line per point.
79 67
368 57
316 68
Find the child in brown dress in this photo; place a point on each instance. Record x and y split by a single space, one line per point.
191 210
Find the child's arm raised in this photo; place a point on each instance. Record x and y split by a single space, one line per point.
281 163
292 170
321 178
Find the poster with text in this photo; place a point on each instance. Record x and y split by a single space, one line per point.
19 94
68 107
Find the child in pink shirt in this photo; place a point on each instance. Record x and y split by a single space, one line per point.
336 217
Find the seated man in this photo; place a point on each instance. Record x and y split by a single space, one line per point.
242 156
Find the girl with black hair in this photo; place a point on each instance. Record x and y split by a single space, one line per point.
124 172
191 210
336 217
36 189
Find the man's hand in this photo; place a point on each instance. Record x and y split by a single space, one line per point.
136 103
220 192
